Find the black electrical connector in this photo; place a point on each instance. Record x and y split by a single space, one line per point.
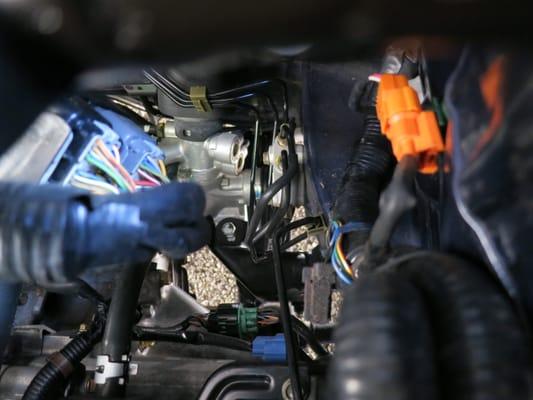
233 320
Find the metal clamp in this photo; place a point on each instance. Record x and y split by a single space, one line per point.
106 369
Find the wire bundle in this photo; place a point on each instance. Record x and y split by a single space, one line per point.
340 264
267 316
107 175
182 98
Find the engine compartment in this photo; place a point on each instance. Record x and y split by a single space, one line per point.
405 168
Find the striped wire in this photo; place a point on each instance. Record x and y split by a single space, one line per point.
110 172
111 161
151 170
338 259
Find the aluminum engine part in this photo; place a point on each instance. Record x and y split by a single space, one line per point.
217 164
273 158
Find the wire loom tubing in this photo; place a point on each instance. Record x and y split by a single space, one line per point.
366 174
429 327
53 376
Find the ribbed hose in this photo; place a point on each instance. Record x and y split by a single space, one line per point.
366 174
382 344
50 380
429 327
482 350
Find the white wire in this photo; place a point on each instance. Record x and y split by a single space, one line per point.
106 187
149 178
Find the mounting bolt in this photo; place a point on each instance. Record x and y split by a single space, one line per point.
229 228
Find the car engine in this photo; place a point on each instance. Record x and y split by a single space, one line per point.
361 170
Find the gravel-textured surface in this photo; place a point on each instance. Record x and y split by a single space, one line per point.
212 283
210 280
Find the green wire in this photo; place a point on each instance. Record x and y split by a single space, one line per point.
112 174
155 173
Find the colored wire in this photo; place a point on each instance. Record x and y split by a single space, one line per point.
146 183
162 167
155 165
375 78
342 257
148 168
94 185
338 259
114 163
149 178
111 173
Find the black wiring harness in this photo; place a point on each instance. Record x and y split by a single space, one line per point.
285 314
53 376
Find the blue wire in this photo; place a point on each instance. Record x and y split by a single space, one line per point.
153 164
339 271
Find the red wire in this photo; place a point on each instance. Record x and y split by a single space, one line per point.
145 183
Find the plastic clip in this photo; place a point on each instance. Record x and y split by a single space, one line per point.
199 98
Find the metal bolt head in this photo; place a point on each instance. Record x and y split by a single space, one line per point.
229 228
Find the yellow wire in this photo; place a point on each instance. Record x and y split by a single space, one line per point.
163 167
342 257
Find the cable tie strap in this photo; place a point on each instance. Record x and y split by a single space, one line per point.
199 98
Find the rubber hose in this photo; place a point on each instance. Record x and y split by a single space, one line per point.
178 335
303 331
50 380
267 229
382 344
116 341
478 347
482 349
279 184
9 294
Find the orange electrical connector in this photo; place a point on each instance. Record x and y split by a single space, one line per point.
411 130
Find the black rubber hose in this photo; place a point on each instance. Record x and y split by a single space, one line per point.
51 379
483 351
383 347
303 331
366 174
478 348
178 335
285 314
278 185
116 341
276 220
